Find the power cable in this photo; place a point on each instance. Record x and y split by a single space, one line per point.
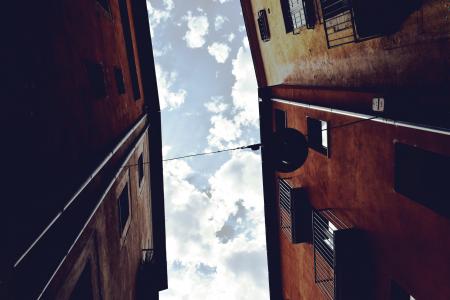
255 147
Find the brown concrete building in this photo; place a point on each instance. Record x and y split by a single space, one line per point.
82 199
367 214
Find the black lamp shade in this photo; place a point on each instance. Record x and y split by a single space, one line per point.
290 149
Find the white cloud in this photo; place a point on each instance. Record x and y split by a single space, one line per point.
241 28
219 21
245 88
222 132
197 29
231 37
227 132
216 105
167 98
219 51
236 269
169 4
165 150
158 16
163 51
222 1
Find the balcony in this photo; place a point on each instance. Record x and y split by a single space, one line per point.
295 213
340 258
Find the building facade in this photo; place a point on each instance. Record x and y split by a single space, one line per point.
366 216
83 205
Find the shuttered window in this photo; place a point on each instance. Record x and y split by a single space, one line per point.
295 213
263 24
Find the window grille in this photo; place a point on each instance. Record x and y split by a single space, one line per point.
298 14
347 21
326 226
263 24
338 22
295 213
147 255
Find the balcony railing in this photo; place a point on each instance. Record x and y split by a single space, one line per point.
263 24
295 213
325 226
338 22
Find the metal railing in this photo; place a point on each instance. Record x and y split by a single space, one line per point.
325 224
285 208
263 25
338 22
297 11
147 255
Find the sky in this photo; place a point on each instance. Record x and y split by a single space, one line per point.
214 204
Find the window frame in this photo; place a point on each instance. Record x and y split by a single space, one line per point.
280 119
263 25
140 152
322 147
96 75
307 15
120 81
123 184
128 36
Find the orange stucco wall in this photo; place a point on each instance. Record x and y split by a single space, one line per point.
409 242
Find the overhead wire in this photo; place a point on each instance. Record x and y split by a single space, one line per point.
255 147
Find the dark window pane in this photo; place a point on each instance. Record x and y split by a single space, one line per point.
263 25
129 47
280 119
124 208
141 168
422 176
119 80
318 135
96 78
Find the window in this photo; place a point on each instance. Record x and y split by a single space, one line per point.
105 5
124 209
339 258
140 168
119 80
96 77
397 293
295 213
338 22
324 252
280 119
129 47
263 25
422 176
348 21
318 135
298 14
